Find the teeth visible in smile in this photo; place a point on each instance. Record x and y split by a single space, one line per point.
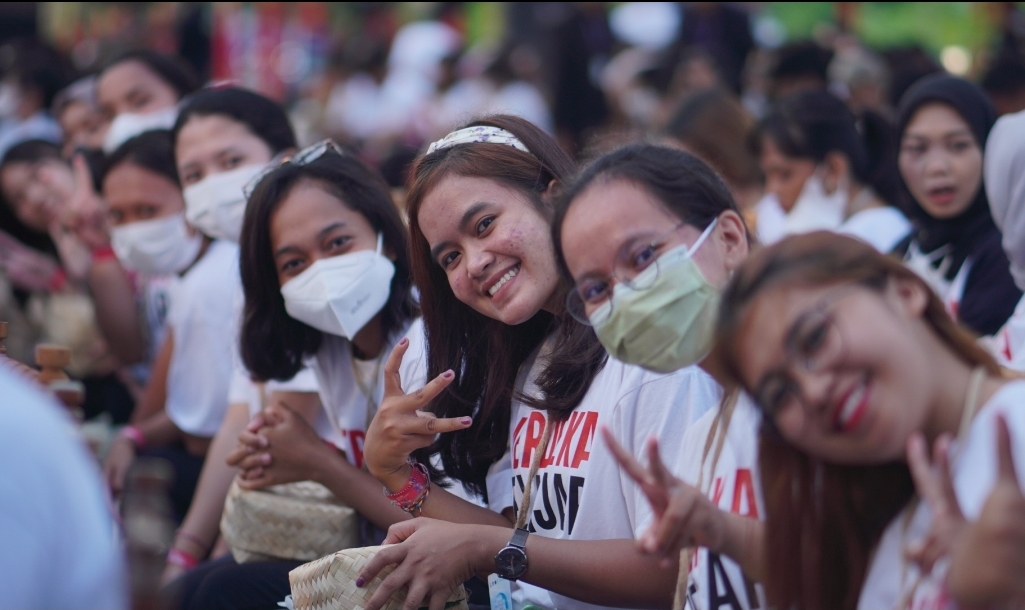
851 405
505 278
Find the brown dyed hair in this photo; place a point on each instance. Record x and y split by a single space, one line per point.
486 353
824 520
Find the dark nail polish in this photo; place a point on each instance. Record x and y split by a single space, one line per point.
360 582
447 374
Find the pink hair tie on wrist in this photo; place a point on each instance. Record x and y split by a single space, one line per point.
134 434
181 559
413 494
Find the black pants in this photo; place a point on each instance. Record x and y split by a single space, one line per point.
222 584
186 474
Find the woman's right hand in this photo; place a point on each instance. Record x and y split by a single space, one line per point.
119 460
683 516
400 427
85 213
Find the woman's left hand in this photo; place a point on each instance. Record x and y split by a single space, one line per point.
293 451
433 557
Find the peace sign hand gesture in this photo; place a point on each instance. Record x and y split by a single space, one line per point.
936 488
401 427
988 563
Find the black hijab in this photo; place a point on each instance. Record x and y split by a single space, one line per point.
965 231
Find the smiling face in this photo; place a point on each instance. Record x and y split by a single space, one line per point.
213 144
940 161
311 224
131 87
612 220
841 369
37 191
784 176
494 246
135 193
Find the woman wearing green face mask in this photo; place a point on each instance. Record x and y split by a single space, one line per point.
648 236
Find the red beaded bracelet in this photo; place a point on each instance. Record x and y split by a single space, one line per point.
413 494
182 559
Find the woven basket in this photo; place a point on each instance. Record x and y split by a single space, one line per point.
329 583
301 521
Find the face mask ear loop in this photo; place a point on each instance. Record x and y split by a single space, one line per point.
704 235
380 242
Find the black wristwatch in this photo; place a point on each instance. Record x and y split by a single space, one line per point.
511 562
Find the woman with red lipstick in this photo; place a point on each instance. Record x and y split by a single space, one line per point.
858 368
943 123
505 351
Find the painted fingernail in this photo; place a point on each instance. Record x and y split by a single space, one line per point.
403 342
448 374
466 421
359 581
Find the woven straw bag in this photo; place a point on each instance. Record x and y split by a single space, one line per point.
329 583
301 521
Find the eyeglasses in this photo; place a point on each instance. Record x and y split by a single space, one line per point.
814 342
636 266
303 157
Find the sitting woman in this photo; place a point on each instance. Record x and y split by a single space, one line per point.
187 394
529 388
326 282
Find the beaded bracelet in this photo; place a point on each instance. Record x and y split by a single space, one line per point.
182 559
413 494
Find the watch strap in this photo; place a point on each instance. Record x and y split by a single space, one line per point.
519 538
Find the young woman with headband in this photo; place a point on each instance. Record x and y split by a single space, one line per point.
503 349
858 370
649 235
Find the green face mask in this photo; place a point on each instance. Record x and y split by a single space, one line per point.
668 325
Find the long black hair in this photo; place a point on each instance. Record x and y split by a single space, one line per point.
273 344
486 353
812 124
262 116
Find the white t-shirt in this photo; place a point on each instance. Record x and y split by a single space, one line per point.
202 318
583 493
1009 343
347 408
974 470
882 227
58 539
731 481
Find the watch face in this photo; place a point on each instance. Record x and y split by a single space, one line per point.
511 562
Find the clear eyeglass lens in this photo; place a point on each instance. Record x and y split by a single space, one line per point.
577 309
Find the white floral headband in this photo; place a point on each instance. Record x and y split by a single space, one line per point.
478 133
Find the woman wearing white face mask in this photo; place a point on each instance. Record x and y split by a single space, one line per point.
139 91
187 393
326 281
223 138
829 171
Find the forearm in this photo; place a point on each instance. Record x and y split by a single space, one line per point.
358 489
744 543
155 394
441 504
116 311
602 572
159 430
204 516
